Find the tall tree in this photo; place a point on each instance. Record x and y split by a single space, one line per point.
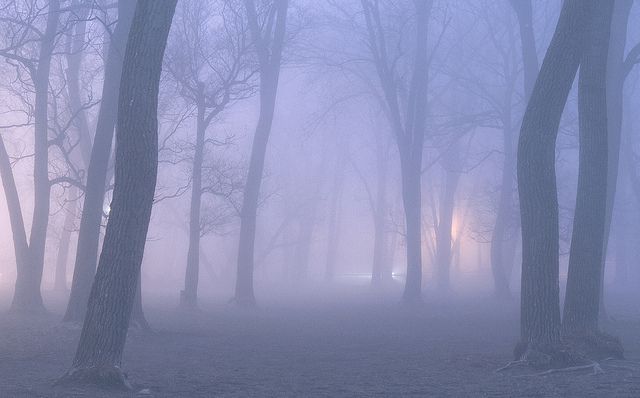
93 206
99 354
408 125
540 293
268 39
581 306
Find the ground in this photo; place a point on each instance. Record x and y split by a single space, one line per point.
355 344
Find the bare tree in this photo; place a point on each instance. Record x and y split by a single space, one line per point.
268 39
99 354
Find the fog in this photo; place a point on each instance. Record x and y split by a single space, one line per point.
319 198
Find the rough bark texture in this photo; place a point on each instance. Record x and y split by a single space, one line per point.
92 209
269 49
585 260
540 307
99 354
27 296
616 75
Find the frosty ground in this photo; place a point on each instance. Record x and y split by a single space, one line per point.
353 344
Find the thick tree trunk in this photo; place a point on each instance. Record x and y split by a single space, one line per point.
585 260
540 301
615 106
99 354
412 200
60 280
269 54
27 296
92 209
189 296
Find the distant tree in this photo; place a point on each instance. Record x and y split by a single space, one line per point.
99 354
210 59
268 34
93 205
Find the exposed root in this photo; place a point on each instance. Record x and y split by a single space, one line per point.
595 366
107 377
511 365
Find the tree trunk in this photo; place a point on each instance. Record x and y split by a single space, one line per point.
335 208
445 220
615 106
60 280
379 273
27 296
540 301
524 14
269 76
581 303
92 209
99 354
189 296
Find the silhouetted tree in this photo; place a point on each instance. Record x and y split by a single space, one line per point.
99 354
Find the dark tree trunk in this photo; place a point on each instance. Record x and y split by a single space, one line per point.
615 104
524 14
92 209
189 296
27 296
581 303
269 54
540 301
99 354
60 280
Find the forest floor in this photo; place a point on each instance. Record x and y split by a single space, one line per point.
353 345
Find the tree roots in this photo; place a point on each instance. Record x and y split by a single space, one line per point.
106 377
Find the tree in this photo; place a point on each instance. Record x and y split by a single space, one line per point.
268 41
581 306
99 354
93 206
408 125
540 296
210 60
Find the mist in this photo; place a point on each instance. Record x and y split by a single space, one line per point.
326 198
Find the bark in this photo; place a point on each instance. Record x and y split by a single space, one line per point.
615 104
92 209
269 52
540 307
524 14
582 298
60 280
189 296
99 354
27 296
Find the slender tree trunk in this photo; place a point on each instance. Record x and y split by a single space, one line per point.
269 56
524 14
334 229
540 295
445 220
380 245
581 303
60 280
27 296
99 354
92 209
189 296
